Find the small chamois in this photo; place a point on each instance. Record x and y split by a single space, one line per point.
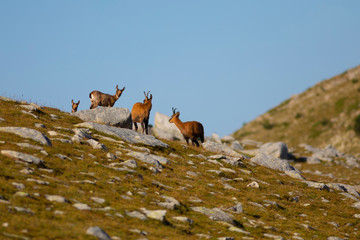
190 130
102 99
140 113
74 106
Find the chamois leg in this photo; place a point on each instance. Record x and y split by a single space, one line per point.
187 141
135 126
143 127
202 138
146 127
195 142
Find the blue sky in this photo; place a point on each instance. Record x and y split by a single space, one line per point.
222 63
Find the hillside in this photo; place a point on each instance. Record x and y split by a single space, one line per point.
322 115
61 178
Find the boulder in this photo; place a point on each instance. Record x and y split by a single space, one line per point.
125 134
22 156
220 148
98 233
272 162
118 117
28 133
277 149
163 129
214 214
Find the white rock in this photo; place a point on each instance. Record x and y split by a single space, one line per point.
81 206
253 184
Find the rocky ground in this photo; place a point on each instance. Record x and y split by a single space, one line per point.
62 178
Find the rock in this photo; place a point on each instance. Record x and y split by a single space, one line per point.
125 134
216 138
98 200
136 214
56 198
28 133
113 116
214 214
27 145
276 149
273 236
228 139
18 185
163 129
183 219
237 146
21 209
39 125
334 238
170 203
130 163
22 157
272 162
98 233
253 185
239 230
318 185
237 208
155 214
356 205
96 145
313 160
294 174
81 206
357 215
149 158
220 148
22 194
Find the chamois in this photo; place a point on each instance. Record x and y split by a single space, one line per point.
140 113
74 106
190 130
102 99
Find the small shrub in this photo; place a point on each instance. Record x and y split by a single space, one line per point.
339 105
355 80
298 115
357 125
267 125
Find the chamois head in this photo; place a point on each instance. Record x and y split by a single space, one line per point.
118 91
174 115
147 99
74 106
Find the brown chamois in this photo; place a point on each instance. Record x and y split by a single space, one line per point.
74 106
140 113
102 99
190 130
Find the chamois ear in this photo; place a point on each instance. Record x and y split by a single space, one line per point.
150 96
177 114
123 89
72 101
78 102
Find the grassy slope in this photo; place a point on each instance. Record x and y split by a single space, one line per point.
111 185
322 115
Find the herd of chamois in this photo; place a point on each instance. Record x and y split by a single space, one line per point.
140 113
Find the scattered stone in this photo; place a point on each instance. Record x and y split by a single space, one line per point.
214 214
125 134
96 145
21 209
98 233
239 230
216 137
357 215
39 125
143 233
238 208
81 206
237 146
22 194
149 158
27 145
320 186
356 205
183 219
170 203
28 133
334 238
226 238
62 157
111 156
22 156
191 174
56 198
253 185
136 214
18 185
273 236
154 214
98 200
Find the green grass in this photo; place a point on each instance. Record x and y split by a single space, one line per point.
112 185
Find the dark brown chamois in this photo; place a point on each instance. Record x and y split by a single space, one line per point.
102 99
190 130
